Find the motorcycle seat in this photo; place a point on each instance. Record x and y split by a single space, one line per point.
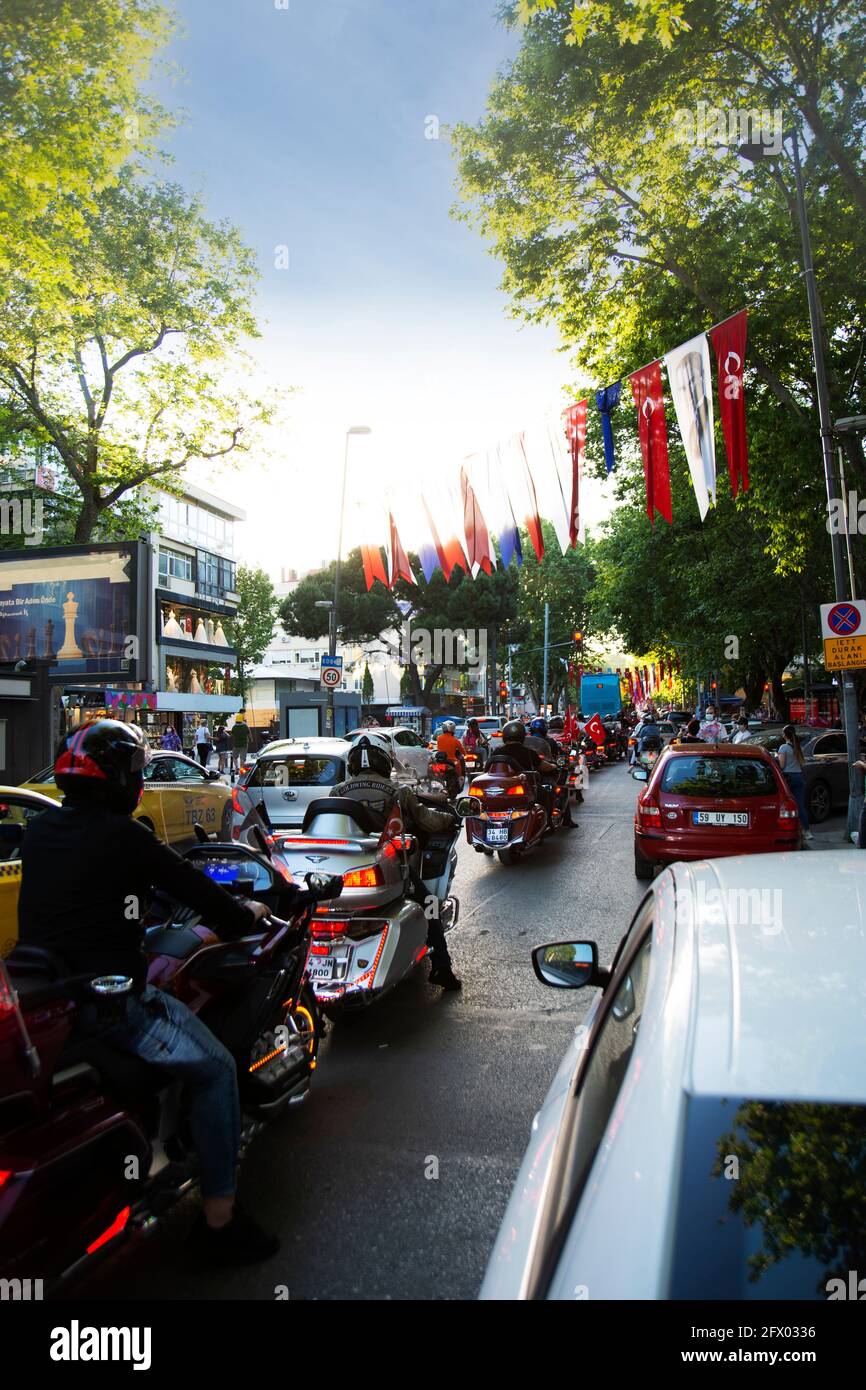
340 806
122 1073
26 961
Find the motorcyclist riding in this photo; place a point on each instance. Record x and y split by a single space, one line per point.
88 869
450 746
370 765
539 742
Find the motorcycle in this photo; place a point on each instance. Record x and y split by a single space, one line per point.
372 936
94 1142
446 772
503 812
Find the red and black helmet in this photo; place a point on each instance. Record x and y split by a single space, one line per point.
103 762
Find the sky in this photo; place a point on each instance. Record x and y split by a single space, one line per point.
306 124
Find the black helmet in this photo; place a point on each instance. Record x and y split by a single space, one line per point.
513 732
365 755
557 723
103 762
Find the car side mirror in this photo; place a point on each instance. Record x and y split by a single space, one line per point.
212 774
466 806
640 774
568 964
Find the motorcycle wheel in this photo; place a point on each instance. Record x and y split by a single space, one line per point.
305 1018
507 857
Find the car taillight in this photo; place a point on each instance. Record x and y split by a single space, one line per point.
320 930
788 811
236 802
370 877
646 806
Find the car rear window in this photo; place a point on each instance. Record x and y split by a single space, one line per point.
770 1200
720 777
300 771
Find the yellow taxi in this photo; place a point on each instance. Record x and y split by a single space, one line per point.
178 795
17 808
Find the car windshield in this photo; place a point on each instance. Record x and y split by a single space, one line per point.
300 771
761 1210
719 777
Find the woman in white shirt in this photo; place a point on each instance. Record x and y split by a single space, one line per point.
742 735
202 743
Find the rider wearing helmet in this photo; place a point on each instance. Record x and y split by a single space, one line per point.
88 869
370 764
450 746
537 739
515 748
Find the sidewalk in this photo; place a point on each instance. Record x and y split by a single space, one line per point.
833 838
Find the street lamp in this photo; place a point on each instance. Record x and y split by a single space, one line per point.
756 152
332 644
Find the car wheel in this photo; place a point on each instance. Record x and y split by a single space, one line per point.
643 868
820 801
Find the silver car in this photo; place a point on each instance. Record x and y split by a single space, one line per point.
289 774
409 750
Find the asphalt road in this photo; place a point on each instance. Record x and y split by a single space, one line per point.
422 1076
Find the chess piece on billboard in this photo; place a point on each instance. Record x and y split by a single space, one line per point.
17 655
70 651
31 643
49 652
172 627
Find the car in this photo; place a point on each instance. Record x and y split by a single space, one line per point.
825 768
700 802
711 1107
18 806
178 795
410 751
287 775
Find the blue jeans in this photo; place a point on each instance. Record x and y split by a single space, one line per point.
797 783
164 1032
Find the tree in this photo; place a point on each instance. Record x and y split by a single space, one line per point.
251 630
121 378
74 107
565 582
368 689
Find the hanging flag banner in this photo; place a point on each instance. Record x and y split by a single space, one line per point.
398 560
575 433
550 467
648 393
478 548
607 401
689 375
521 490
496 505
729 343
371 557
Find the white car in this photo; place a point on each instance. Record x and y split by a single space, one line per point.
710 1113
409 750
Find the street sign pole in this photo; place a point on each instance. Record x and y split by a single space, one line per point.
546 651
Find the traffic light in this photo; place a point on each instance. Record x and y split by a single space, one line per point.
578 637
503 690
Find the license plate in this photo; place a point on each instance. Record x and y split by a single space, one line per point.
497 835
721 818
322 969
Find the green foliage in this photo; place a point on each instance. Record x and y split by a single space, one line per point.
566 583
251 630
368 688
121 378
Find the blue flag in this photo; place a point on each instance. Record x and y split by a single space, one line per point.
607 401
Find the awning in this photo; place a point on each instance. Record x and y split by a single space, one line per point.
407 710
172 702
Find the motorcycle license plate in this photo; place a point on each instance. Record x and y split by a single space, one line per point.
497 835
322 969
721 818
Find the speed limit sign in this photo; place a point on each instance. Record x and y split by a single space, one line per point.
331 672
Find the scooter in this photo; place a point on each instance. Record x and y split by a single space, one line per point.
503 812
94 1142
372 936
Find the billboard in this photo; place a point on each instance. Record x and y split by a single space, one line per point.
82 608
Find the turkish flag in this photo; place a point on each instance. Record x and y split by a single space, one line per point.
596 730
646 387
729 344
373 567
398 561
575 433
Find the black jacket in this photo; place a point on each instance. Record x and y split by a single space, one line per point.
86 877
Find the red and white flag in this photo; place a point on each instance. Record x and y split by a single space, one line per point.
596 730
478 547
729 345
521 490
575 433
648 393
374 569
398 560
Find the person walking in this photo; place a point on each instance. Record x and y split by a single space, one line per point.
170 740
792 763
202 742
240 739
222 745
712 731
742 735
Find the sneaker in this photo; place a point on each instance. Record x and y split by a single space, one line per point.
445 978
240 1242
807 835
855 838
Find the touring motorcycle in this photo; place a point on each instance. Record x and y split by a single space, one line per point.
505 813
94 1142
373 935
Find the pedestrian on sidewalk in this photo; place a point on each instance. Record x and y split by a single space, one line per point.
202 742
222 745
742 735
712 731
240 742
792 763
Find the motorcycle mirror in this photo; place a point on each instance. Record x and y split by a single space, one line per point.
201 834
324 886
466 806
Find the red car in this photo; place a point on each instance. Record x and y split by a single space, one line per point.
702 801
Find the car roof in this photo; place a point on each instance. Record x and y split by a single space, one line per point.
27 794
778 962
716 750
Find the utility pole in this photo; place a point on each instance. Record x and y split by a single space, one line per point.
510 686
546 652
